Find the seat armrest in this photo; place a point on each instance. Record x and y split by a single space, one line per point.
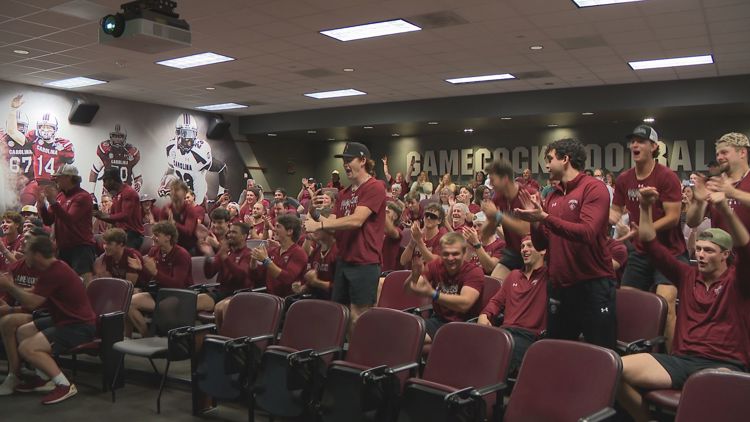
115 314
180 343
337 350
259 289
479 392
600 415
403 367
460 397
204 287
256 339
640 345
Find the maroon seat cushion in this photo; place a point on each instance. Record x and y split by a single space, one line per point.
668 399
206 317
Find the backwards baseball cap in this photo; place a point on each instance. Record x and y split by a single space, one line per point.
735 139
354 150
66 170
30 209
146 197
644 132
335 172
718 237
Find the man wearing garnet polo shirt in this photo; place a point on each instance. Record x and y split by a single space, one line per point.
125 212
453 283
114 262
572 228
640 273
71 321
70 210
711 331
359 227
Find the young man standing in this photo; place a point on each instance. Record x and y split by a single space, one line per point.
126 207
359 228
573 230
640 273
184 216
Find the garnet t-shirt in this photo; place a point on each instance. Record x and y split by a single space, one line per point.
325 266
468 275
391 253
67 301
512 239
494 250
173 270
365 244
119 269
524 301
233 271
742 212
23 276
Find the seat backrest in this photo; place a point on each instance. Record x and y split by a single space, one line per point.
640 315
713 395
491 286
174 308
458 347
147 244
198 270
393 296
108 295
563 380
386 337
252 314
315 324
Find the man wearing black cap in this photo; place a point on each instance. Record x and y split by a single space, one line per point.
640 273
359 228
126 208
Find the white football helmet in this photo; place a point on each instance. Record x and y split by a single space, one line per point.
22 122
43 125
186 131
119 135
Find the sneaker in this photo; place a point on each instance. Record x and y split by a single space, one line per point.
60 393
9 385
35 385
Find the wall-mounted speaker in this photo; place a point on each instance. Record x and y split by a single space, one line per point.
82 112
218 128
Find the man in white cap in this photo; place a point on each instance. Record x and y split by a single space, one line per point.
29 211
70 209
335 181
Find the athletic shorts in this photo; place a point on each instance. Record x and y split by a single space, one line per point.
355 284
512 259
80 258
641 274
218 295
433 324
680 367
134 240
64 337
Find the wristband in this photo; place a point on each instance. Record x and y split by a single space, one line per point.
436 295
499 218
477 246
266 262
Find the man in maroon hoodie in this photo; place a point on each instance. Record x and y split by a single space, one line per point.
711 329
126 208
70 209
573 228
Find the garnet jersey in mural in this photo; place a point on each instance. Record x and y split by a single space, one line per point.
19 156
49 155
191 165
124 157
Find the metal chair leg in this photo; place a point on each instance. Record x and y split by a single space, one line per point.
113 387
161 387
153 366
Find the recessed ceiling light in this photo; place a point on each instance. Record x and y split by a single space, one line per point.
335 94
649 120
74 82
674 62
371 30
222 106
536 47
366 127
348 69
23 52
331 139
432 123
210 88
395 134
506 118
468 130
271 134
552 125
195 60
312 131
483 78
587 113
590 3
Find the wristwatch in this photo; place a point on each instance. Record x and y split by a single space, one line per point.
477 246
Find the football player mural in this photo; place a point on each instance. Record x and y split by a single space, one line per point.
118 153
189 158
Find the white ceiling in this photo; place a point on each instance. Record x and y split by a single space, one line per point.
274 40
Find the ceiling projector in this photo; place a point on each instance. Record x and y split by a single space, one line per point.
147 26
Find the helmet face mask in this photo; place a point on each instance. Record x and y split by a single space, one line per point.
186 132
185 144
118 136
46 127
22 122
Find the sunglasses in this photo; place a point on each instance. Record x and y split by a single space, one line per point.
431 216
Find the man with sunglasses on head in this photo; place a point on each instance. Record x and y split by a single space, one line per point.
359 226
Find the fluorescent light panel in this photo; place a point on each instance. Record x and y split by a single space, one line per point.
74 82
484 78
371 30
195 60
335 94
674 62
223 106
590 3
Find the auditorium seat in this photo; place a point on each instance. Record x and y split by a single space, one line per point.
383 351
175 308
491 286
464 376
110 300
641 317
313 334
393 295
713 395
199 273
223 362
562 381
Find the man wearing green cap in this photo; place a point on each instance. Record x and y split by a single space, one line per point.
711 329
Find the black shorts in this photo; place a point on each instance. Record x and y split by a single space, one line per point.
522 340
80 258
134 240
680 367
433 324
218 295
511 259
355 284
64 337
641 274
586 308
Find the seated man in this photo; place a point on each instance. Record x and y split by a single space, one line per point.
287 263
711 330
321 266
453 283
523 299
167 264
209 239
71 322
115 261
232 264
11 244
